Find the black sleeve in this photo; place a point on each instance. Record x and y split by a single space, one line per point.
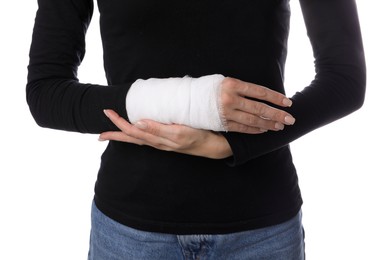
55 96
338 88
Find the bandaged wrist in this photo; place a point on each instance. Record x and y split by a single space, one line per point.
194 102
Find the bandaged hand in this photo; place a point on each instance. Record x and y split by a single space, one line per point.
186 101
210 102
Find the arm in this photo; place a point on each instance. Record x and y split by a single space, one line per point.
339 85
58 100
55 96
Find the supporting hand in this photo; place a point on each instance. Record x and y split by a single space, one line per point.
176 138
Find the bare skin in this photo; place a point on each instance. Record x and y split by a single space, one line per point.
177 138
248 116
242 115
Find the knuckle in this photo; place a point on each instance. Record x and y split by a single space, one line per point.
278 115
240 104
153 130
177 135
254 121
260 109
262 92
227 100
229 83
248 119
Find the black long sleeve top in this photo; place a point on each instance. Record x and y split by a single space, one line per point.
154 190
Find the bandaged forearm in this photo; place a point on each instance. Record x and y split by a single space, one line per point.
194 102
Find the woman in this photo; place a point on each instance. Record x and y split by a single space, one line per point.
178 189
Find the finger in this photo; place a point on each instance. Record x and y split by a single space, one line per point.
263 93
255 121
157 134
141 128
240 128
119 136
265 111
169 132
123 137
177 137
119 121
134 132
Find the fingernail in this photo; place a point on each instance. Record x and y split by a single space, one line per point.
101 139
287 102
289 120
141 125
106 112
279 126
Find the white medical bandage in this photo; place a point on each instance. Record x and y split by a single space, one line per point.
194 102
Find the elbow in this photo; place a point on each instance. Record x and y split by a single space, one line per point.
359 100
33 99
349 82
358 84
357 80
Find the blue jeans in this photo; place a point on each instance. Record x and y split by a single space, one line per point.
112 241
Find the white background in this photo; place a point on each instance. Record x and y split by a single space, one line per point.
47 176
